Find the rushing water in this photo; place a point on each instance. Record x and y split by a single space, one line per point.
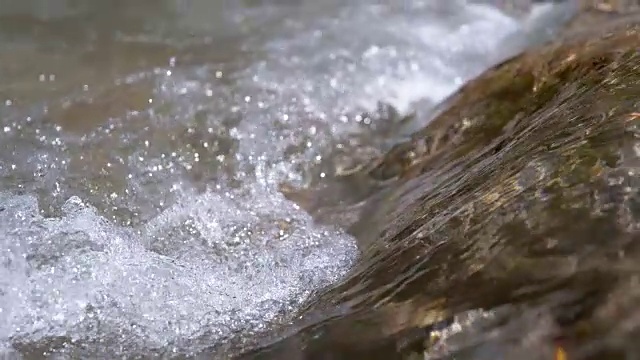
141 147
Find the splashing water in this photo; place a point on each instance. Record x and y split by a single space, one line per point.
138 202
220 268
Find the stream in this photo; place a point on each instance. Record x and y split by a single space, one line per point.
142 144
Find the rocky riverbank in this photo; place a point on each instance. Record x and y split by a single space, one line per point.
508 228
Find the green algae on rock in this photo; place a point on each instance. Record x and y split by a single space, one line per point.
520 201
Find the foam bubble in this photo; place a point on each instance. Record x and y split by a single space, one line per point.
225 266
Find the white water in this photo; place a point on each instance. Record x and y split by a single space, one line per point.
162 230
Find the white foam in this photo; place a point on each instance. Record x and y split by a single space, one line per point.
366 55
243 264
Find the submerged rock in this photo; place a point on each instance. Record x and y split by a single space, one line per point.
508 228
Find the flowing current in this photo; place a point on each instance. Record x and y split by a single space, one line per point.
140 156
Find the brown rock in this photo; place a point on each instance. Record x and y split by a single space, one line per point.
521 198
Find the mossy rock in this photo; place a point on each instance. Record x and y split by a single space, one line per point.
520 198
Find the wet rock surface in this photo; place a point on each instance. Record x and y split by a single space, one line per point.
508 228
